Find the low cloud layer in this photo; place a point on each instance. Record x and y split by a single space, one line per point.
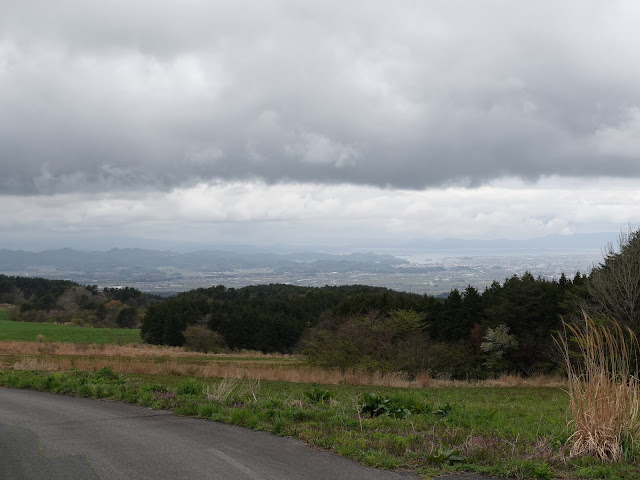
153 96
206 215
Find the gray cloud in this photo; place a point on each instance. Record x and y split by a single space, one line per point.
99 96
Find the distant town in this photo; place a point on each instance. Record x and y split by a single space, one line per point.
165 272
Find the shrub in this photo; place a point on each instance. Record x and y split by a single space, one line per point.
604 391
398 406
208 410
318 395
374 405
107 374
443 410
372 342
201 339
190 386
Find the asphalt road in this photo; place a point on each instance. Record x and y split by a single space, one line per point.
48 437
54 437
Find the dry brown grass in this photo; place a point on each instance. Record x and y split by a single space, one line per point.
518 381
131 350
216 366
30 363
221 391
214 370
163 360
604 390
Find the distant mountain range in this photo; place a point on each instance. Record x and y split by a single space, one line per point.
296 260
458 263
215 260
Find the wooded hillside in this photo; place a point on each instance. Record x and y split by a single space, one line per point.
507 327
43 300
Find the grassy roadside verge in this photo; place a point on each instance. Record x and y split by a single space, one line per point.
514 432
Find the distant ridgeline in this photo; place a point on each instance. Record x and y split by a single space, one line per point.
44 300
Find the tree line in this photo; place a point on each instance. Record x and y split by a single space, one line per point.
507 327
63 301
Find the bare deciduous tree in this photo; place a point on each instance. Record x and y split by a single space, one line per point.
614 286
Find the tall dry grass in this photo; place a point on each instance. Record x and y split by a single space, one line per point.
227 371
129 350
603 387
163 360
266 371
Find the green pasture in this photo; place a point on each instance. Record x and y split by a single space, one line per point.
32 332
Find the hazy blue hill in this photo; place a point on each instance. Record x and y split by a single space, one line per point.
67 258
430 270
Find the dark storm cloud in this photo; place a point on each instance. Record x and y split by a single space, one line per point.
151 95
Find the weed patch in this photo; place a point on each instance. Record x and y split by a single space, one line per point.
396 406
189 386
318 395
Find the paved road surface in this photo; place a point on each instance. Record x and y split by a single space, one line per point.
48 437
54 437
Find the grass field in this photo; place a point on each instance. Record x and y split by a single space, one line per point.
509 427
31 332
4 314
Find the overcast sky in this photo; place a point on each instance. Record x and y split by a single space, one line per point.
356 122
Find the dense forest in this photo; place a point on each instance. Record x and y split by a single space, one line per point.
508 327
